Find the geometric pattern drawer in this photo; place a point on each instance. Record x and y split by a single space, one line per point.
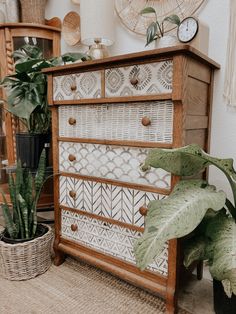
143 79
111 162
77 86
108 238
118 121
106 200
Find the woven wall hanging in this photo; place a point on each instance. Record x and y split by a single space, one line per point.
128 12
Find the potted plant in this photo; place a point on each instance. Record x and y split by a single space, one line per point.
27 100
25 245
155 30
197 208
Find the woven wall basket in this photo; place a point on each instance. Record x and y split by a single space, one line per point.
33 11
26 260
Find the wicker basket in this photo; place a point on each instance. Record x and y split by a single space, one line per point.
33 11
26 260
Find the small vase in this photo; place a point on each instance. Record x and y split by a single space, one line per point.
166 41
33 11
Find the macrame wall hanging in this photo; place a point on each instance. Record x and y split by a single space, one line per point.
230 72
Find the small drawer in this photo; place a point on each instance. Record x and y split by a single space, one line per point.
77 86
112 162
107 238
141 122
144 79
107 200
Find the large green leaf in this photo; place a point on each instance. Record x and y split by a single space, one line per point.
28 66
21 106
175 217
188 161
222 232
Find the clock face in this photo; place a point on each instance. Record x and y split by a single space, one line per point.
187 29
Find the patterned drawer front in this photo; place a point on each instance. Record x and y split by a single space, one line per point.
77 86
118 121
105 200
107 238
144 79
111 162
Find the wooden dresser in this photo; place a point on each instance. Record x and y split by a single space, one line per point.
107 115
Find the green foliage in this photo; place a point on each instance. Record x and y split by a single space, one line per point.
27 87
195 208
175 217
156 29
21 217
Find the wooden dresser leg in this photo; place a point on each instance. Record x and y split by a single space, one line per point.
171 304
59 257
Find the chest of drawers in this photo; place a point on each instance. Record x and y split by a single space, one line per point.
106 116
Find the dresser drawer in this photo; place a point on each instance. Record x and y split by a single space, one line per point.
143 79
106 200
107 238
111 162
144 122
77 86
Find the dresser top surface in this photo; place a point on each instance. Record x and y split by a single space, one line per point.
148 56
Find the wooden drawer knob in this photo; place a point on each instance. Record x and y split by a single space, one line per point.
74 227
146 121
73 88
134 81
143 210
72 194
71 157
72 121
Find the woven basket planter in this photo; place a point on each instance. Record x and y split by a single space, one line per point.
33 11
26 260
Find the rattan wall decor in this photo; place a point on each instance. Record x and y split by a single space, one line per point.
128 12
71 28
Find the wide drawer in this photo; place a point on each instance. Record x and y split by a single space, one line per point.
112 162
144 79
145 122
106 200
107 238
77 86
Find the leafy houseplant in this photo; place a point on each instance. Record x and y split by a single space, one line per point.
27 91
21 217
25 245
155 29
193 207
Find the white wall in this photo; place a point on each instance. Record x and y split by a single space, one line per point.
216 15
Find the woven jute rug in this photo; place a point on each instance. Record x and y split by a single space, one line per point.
75 287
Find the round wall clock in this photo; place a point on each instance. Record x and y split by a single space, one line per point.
187 29
129 12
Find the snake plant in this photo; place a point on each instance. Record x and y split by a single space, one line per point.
195 207
24 189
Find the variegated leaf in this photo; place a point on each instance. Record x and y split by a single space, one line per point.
222 232
175 217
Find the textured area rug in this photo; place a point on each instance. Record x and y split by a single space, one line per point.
75 287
